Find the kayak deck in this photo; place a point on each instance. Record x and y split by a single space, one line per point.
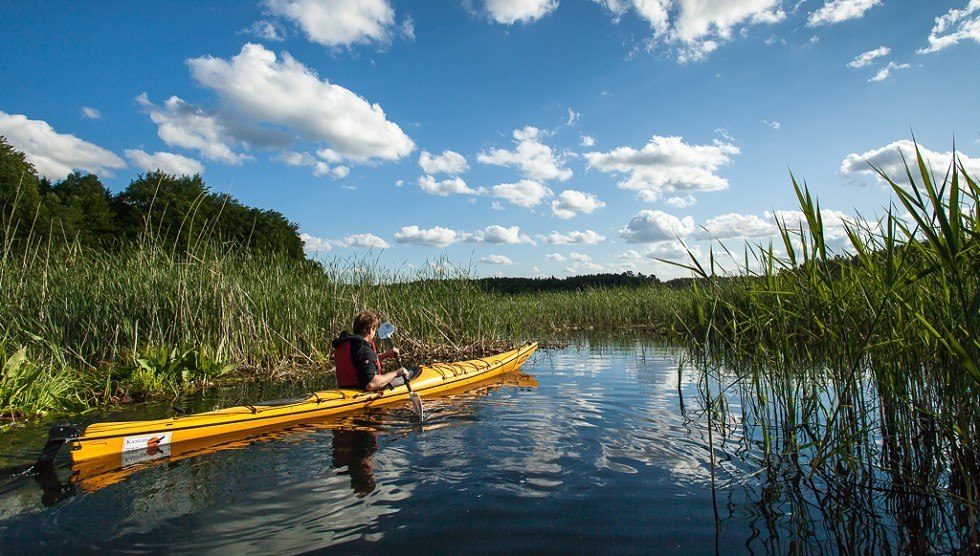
135 441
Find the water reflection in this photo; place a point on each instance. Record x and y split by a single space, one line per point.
52 488
353 450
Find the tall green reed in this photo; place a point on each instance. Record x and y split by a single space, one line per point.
861 367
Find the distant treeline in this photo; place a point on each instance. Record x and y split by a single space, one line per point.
627 279
178 210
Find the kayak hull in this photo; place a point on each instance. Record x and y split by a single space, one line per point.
136 441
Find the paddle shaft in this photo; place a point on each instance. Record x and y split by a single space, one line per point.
416 399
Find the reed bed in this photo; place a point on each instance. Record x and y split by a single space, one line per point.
858 374
147 319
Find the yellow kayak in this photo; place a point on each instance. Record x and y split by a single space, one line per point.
130 442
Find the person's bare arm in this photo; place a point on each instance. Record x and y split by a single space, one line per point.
381 380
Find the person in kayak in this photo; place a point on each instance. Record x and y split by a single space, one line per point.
357 360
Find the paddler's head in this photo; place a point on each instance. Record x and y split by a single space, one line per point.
366 324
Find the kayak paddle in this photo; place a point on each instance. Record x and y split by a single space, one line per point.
385 332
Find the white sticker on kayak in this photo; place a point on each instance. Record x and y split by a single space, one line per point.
145 447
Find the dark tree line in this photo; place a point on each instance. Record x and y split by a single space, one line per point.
180 210
572 283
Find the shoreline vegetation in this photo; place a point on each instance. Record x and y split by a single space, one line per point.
858 370
166 287
88 327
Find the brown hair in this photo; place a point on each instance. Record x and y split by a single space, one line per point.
365 322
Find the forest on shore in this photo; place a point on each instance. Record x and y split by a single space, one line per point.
80 210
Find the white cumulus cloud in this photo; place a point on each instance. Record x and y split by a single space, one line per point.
292 158
366 241
501 235
836 11
444 188
55 155
536 160
166 162
449 162
443 237
571 202
312 244
885 72
580 267
184 125
868 57
653 225
630 255
433 237
264 29
696 28
666 165
91 113
509 12
588 237
734 225
337 23
320 168
834 222
682 202
289 96
889 159
496 259
525 193
955 26
671 250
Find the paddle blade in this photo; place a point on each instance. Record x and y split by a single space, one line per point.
417 405
386 330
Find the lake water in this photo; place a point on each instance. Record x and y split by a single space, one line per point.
608 453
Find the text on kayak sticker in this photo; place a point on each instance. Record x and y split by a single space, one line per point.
137 449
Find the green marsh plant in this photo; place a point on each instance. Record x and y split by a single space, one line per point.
858 371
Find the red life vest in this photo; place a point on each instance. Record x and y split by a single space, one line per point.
344 361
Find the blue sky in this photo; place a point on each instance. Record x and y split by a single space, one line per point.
510 137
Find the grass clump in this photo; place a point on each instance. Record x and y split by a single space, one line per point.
36 380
